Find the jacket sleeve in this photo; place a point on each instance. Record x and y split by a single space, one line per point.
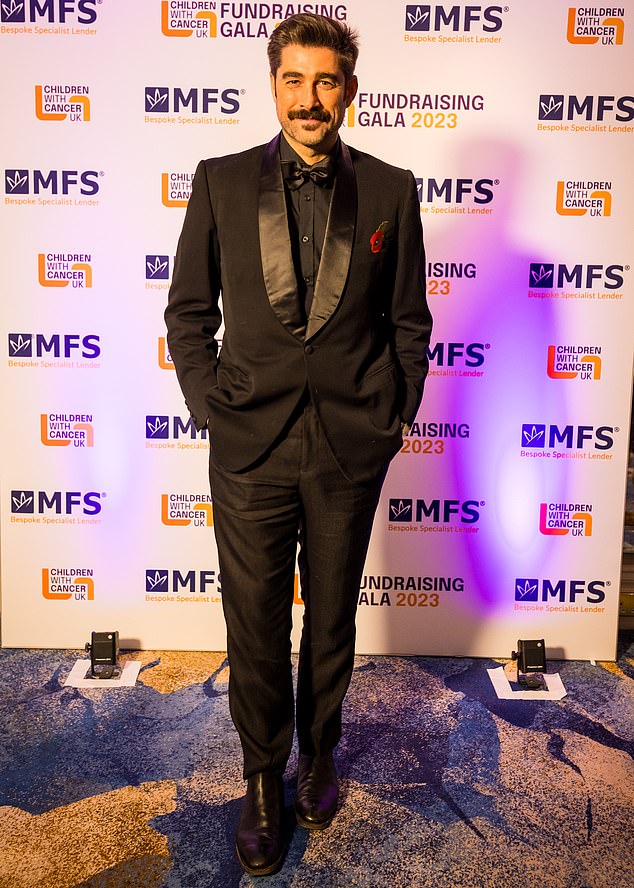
410 316
193 314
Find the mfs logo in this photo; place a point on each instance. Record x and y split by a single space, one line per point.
55 345
438 17
165 100
588 25
167 585
532 589
157 267
455 191
24 181
551 275
161 427
554 106
434 511
81 11
457 358
569 437
448 354
59 502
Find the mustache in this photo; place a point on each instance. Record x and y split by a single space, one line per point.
310 114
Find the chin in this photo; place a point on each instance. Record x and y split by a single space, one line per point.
305 137
311 137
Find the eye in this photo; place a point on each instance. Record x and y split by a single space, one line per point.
327 84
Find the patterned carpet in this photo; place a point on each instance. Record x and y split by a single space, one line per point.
443 784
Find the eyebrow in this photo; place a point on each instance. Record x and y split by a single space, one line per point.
319 76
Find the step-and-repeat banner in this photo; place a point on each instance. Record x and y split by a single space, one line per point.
501 517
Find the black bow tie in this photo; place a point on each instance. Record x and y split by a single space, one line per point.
295 173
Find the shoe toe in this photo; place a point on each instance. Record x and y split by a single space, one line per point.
260 839
317 792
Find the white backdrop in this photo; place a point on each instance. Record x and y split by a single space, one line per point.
502 517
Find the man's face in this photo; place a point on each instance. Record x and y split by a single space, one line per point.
311 95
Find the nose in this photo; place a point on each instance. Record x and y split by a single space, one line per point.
307 97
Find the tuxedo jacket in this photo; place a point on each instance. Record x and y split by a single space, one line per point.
361 353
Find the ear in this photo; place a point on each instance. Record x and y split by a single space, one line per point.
351 89
272 82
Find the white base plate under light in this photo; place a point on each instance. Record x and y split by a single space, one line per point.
555 689
127 679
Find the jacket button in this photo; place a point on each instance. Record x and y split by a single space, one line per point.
309 349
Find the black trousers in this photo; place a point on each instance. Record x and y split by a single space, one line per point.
295 493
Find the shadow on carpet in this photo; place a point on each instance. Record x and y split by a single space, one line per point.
442 783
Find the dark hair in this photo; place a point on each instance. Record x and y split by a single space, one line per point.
307 29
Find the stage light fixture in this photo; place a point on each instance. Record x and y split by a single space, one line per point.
531 663
104 654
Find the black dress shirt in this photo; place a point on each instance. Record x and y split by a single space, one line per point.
307 210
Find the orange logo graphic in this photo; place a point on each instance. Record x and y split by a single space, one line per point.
297 595
64 587
599 202
76 105
175 190
82 267
77 433
611 29
164 357
550 521
205 508
171 28
593 360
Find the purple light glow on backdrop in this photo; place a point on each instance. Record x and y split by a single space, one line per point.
469 127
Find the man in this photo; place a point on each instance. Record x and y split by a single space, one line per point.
317 251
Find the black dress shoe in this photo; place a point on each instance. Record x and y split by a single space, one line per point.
260 840
317 791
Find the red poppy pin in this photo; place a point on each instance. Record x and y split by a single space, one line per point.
376 241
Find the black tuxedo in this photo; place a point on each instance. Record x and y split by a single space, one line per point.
304 414
362 351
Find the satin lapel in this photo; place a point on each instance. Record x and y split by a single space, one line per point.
335 257
275 244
